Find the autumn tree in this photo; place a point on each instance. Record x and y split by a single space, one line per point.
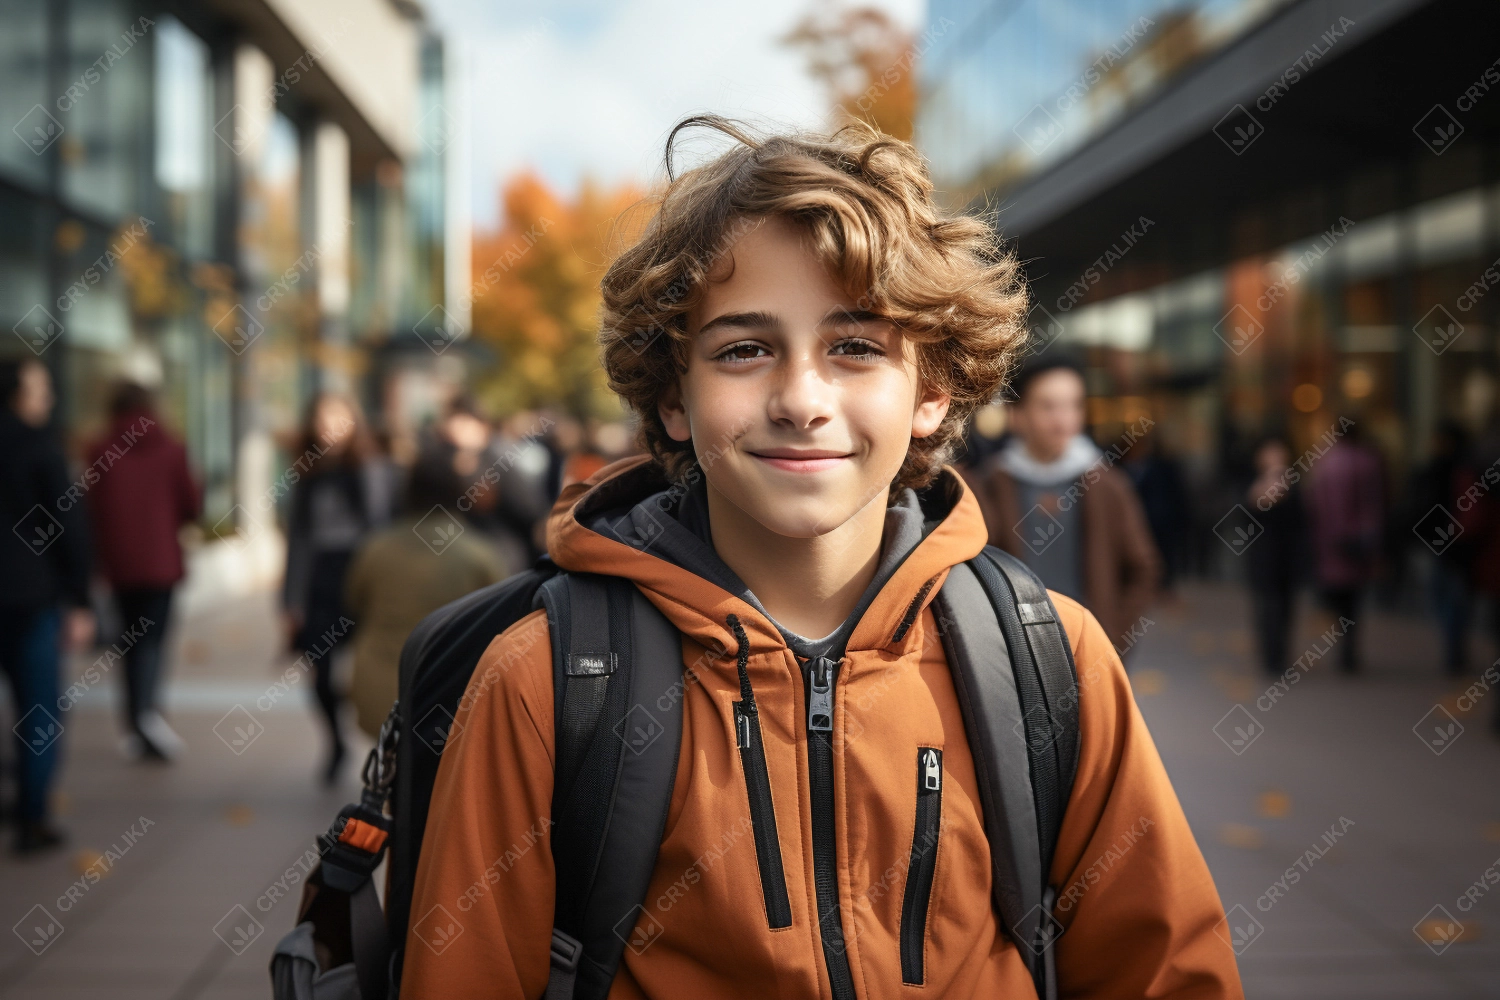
536 296
865 59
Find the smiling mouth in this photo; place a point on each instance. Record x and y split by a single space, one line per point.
793 460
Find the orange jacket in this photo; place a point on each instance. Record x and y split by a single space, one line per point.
1136 900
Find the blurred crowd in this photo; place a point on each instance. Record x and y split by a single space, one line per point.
108 527
376 540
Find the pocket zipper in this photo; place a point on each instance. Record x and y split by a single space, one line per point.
747 738
923 866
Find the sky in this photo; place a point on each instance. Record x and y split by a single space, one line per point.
590 88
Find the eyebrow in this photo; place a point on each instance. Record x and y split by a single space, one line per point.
762 320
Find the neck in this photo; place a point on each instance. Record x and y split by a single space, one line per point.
1039 454
809 585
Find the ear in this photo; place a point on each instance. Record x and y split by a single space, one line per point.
932 407
673 413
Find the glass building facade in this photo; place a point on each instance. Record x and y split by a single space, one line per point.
1333 270
190 200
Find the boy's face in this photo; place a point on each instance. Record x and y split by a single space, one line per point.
800 407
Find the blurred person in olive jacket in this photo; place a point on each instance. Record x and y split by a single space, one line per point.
1052 499
44 569
406 571
143 496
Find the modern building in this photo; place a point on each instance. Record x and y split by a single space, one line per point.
1248 215
239 201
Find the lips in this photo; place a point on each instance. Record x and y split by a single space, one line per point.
802 459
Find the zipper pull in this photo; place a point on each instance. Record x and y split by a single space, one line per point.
820 701
742 727
932 771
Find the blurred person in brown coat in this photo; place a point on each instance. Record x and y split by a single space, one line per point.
1052 499
402 573
144 495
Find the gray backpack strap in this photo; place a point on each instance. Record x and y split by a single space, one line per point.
617 668
1022 724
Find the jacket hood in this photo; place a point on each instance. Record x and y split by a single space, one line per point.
628 520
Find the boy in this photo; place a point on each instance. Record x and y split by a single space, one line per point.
1090 539
802 336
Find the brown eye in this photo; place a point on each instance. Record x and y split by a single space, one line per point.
861 349
738 352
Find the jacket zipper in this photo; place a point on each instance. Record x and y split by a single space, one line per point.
758 786
919 874
822 673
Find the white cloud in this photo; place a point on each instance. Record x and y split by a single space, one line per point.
573 89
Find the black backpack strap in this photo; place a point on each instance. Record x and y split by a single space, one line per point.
1022 725
617 670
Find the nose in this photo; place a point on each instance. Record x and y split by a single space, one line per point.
802 395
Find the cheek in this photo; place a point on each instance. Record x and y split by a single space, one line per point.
882 409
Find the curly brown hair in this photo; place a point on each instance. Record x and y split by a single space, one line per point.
865 200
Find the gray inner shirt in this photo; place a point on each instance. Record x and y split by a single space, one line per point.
673 524
1060 560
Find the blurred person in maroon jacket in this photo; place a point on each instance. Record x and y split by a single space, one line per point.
143 494
1346 511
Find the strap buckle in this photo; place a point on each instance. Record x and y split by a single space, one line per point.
566 950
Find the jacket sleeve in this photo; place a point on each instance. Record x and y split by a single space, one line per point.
1141 917
481 917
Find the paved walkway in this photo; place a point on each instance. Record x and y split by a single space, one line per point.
1334 759
170 886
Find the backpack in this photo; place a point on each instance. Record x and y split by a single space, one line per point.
612 652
